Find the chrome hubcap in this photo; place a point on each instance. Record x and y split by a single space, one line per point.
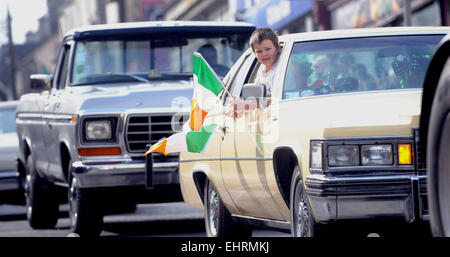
28 195
213 207
73 207
302 213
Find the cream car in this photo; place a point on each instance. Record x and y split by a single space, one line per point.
338 142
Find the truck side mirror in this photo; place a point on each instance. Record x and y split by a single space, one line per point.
253 91
41 82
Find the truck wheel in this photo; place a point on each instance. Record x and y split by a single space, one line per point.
218 221
438 163
42 206
302 219
85 210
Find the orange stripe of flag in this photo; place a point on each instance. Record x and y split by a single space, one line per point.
197 116
159 147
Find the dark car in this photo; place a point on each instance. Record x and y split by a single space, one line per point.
435 138
10 179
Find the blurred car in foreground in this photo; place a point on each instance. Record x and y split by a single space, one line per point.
338 143
435 140
10 179
117 89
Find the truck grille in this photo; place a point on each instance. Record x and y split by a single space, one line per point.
146 129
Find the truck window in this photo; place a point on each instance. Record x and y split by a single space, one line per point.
62 73
154 58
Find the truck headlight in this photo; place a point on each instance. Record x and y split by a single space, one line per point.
98 130
376 155
343 155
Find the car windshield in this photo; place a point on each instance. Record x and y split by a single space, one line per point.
358 64
8 120
109 61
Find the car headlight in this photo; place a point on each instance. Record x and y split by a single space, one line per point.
98 130
343 155
376 155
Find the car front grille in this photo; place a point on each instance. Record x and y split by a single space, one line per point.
147 129
420 159
420 153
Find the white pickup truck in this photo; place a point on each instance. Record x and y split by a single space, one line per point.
116 89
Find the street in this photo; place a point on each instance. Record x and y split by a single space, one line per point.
149 220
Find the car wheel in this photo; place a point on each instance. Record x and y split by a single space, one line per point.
85 210
41 205
438 150
218 220
302 220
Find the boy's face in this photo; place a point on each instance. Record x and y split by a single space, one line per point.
266 52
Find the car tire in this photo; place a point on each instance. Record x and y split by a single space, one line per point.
85 209
42 207
303 223
438 163
218 220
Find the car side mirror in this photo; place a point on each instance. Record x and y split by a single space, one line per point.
41 82
253 91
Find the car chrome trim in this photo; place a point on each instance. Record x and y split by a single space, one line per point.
123 174
229 159
65 118
359 197
124 165
9 174
285 226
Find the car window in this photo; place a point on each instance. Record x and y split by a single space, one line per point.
8 120
358 64
241 76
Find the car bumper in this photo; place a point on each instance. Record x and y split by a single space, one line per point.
129 173
368 197
9 180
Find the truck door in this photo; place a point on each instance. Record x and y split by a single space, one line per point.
54 117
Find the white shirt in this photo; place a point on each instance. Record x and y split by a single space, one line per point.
266 78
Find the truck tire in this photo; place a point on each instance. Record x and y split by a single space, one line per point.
303 223
438 163
85 209
218 220
41 203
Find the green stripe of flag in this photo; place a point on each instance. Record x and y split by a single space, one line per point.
205 76
197 140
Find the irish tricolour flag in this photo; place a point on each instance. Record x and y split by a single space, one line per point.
186 141
207 87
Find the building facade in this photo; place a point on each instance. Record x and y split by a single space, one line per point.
344 14
38 54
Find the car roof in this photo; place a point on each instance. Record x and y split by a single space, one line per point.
152 27
8 104
364 32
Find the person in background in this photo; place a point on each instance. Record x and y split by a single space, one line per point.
366 81
298 72
320 79
346 66
266 47
209 52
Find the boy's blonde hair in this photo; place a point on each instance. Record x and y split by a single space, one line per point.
261 34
